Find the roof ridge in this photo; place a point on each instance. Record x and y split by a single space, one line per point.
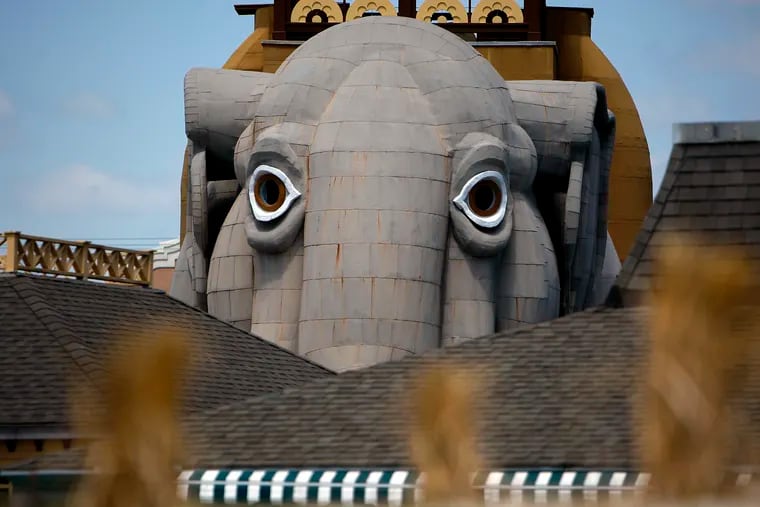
197 418
429 355
265 341
87 283
716 132
56 325
569 374
528 327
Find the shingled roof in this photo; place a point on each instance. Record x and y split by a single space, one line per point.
54 331
711 189
560 394
556 394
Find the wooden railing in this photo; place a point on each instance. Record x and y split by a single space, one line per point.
78 259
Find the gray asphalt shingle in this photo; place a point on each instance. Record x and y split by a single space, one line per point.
55 331
554 393
711 190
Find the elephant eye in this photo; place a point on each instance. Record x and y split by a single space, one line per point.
484 199
271 193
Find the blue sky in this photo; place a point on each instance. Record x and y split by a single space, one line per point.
91 118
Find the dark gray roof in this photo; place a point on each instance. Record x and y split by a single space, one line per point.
541 404
711 188
560 393
54 331
556 394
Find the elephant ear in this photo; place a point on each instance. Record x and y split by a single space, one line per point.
219 105
574 134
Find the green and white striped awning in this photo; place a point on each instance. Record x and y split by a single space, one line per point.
397 487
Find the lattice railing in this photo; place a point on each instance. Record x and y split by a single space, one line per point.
79 259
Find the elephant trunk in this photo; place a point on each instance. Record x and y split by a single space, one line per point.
376 223
371 286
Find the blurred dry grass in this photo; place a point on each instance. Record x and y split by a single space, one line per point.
141 443
443 433
689 429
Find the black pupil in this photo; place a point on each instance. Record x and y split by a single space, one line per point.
270 192
483 196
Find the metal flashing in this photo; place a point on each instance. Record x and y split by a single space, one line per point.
716 132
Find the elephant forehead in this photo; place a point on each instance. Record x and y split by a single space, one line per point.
390 53
306 86
391 117
387 106
379 92
374 31
429 70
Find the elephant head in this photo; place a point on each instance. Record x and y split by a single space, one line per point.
388 199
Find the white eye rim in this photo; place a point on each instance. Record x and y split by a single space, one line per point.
291 194
494 220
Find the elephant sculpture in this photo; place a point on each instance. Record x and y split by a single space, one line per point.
386 192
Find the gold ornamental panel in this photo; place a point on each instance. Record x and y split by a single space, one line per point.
362 8
442 11
497 11
316 11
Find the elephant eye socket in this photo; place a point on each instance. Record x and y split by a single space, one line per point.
271 193
484 199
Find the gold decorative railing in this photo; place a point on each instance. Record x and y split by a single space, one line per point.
78 259
481 20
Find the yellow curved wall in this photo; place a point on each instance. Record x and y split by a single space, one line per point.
250 54
631 174
183 186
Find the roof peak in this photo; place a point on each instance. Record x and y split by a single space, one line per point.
716 132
